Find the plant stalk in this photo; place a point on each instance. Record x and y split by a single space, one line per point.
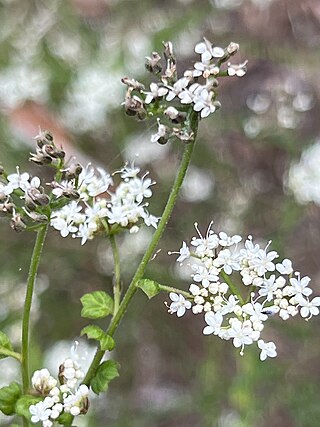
194 119
117 274
33 270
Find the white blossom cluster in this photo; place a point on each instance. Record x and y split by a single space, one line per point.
31 194
197 87
66 398
304 176
95 201
238 287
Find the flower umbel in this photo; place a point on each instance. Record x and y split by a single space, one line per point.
240 287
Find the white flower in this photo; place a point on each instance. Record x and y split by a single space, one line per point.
255 311
17 180
184 253
187 95
269 287
230 306
214 321
73 403
155 92
207 51
309 308
39 412
204 275
225 240
300 286
285 267
162 131
262 262
42 381
177 88
203 102
205 245
150 220
268 349
179 304
229 261
237 70
205 69
242 333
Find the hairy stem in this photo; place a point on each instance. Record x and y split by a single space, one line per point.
193 123
33 270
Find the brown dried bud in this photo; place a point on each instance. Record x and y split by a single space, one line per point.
1 170
6 207
134 84
40 158
37 217
73 171
232 48
152 63
134 105
53 151
174 115
85 406
185 135
17 224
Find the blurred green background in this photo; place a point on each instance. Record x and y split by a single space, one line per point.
60 67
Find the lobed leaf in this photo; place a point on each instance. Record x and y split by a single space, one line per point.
4 343
23 404
149 287
8 398
106 372
96 305
96 333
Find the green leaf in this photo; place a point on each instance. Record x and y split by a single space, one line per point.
65 419
96 333
4 343
106 372
96 305
23 404
8 398
149 287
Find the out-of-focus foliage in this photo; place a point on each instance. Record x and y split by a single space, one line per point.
60 68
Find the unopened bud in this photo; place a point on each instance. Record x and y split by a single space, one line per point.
174 115
232 48
185 135
152 63
17 224
73 171
134 84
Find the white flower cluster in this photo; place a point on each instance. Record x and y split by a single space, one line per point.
197 87
238 287
304 177
96 202
66 398
19 189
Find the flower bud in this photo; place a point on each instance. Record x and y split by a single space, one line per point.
17 224
152 63
232 48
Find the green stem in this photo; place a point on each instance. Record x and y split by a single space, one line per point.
34 264
178 291
152 246
232 287
117 274
10 353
